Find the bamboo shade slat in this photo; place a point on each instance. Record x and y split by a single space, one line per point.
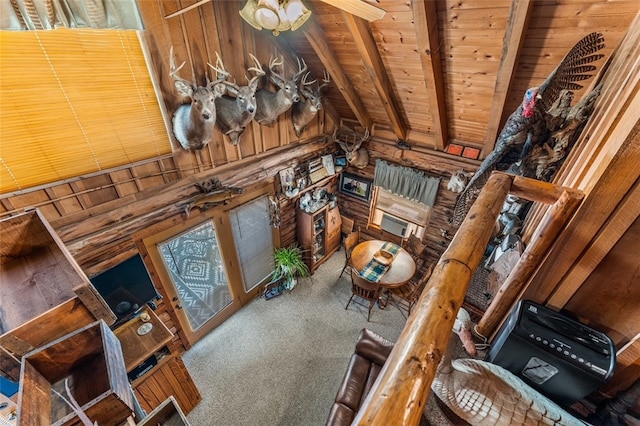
74 102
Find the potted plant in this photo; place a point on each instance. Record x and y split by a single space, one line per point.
289 265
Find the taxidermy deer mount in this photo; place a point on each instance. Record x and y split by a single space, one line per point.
270 104
356 156
212 193
303 112
193 123
233 114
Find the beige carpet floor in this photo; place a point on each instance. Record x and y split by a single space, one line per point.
281 361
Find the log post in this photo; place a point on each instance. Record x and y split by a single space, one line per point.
399 395
552 223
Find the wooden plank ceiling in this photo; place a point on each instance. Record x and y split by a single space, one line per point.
428 72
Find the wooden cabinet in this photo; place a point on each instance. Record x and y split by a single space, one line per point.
318 234
167 413
168 378
160 373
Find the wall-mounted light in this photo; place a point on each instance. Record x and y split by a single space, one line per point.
276 15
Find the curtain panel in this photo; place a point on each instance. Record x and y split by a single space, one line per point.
406 182
20 15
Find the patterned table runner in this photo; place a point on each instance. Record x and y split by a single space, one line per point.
374 270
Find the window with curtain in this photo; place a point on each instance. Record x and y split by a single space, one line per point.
74 102
402 199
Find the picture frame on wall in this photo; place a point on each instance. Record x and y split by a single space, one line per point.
287 178
355 186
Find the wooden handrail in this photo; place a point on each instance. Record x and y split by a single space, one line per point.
400 393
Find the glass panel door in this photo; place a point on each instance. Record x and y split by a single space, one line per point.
254 241
196 269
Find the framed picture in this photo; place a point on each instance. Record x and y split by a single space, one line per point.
341 161
287 179
355 186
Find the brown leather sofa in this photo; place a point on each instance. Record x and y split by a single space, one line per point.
371 352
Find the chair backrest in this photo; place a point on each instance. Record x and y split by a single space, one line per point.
351 241
417 285
414 246
364 288
422 283
347 225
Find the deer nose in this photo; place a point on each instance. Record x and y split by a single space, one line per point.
206 115
296 98
251 109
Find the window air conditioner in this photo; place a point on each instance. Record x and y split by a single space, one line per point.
394 225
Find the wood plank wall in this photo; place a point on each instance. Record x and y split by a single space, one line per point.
431 162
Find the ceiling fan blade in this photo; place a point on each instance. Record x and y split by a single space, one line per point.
359 8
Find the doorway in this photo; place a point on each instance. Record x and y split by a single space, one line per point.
197 272
214 262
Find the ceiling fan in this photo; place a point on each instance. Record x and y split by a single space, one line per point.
358 8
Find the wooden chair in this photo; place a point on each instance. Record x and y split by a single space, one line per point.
414 246
350 242
406 296
365 290
347 225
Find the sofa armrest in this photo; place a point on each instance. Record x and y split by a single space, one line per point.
372 346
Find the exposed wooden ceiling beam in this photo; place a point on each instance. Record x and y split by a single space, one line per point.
513 38
370 55
426 24
320 45
358 8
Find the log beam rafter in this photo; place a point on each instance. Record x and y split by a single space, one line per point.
370 55
517 25
327 56
426 23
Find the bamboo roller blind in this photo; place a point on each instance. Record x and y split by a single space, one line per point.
74 102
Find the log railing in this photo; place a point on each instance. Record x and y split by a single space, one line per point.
399 395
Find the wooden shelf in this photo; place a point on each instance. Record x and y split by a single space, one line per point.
137 348
41 285
313 186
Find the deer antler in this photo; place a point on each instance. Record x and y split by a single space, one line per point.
304 83
277 78
325 81
259 72
302 67
366 135
221 73
173 71
343 144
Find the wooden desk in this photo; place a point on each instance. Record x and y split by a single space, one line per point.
402 268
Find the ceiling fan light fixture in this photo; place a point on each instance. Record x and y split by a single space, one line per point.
276 15
297 13
267 14
248 14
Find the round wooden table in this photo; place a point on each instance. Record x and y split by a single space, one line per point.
402 268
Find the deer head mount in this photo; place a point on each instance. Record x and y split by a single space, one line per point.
270 104
193 123
303 112
234 113
350 143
